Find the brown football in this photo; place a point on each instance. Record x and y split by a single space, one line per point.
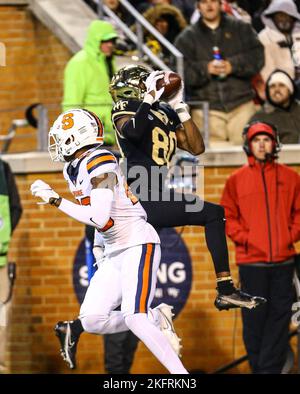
171 82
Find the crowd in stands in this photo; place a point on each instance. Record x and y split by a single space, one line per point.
231 49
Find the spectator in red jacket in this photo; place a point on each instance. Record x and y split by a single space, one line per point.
262 210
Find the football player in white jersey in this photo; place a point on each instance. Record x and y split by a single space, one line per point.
127 274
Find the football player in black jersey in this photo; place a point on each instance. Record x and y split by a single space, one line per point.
148 131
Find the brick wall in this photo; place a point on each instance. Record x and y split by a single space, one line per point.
44 247
33 74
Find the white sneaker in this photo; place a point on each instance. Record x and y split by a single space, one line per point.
167 328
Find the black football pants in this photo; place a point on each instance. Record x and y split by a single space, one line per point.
174 213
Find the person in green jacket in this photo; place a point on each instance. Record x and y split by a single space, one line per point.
88 74
10 214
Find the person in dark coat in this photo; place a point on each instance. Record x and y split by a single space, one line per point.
281 107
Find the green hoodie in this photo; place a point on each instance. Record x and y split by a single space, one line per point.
5 224
86 77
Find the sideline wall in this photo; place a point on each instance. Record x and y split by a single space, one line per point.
44 246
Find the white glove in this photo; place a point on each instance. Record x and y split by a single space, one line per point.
179 105
178 98
98 253
150 83
43 190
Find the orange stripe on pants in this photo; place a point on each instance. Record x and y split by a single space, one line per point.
146 274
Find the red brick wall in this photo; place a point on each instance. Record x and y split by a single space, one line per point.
44 247
35 60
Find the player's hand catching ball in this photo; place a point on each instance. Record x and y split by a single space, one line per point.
152 94
177 98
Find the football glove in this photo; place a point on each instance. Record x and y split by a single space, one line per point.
179 105
42 190
151 87
178 98
98 253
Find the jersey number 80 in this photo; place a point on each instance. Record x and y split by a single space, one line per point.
164 146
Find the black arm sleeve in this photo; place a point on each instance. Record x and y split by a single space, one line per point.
135 128
14 198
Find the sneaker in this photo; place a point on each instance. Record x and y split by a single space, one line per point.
167 328
238 299
68 342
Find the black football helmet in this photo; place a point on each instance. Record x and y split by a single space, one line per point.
128 83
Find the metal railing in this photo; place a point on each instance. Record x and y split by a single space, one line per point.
41 123
138 39
193 104
11 133
42 126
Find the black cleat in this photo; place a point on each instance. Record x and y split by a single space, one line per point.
238 299
68 342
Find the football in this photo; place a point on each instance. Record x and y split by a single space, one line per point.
171 82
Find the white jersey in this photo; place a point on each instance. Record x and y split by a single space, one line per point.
127 225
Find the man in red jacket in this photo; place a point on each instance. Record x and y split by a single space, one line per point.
262 209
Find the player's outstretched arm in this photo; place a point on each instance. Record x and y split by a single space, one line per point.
189 137
96 214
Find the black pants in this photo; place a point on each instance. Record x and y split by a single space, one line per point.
174 213
119 352
265 329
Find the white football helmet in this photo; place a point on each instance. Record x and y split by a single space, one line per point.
73 130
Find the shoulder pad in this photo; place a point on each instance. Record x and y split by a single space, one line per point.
99 162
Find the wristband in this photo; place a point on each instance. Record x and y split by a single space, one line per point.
55 201
182 112
223 278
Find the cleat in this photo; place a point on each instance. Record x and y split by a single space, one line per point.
68 342
238 299
167 328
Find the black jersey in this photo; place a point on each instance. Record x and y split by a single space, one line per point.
158 144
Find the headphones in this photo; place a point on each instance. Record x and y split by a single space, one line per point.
258 127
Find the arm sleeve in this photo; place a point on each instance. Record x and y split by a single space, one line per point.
136 127
97 214
98 240
14 198
234 228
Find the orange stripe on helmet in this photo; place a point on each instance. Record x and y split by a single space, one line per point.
99 124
